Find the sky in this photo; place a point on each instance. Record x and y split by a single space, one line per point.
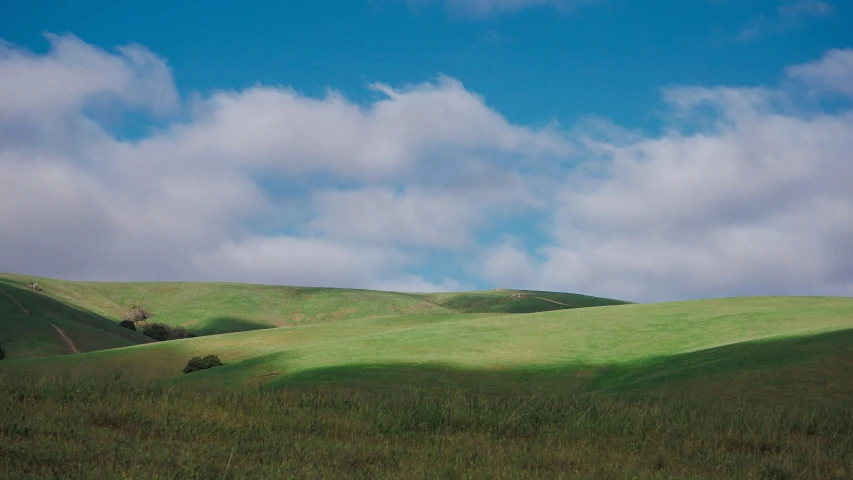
648 151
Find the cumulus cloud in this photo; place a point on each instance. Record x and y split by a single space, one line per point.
193 201
74 72
444 215
299 261
832 73
742 193
508 266
279 128
757 202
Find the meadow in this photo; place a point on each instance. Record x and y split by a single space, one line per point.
495 384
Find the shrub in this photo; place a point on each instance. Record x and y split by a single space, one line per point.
198 363
136 314
128 325
2 354
162 332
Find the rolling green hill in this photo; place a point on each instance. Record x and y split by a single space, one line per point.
88 312
515 301
30 325
632 349
356 383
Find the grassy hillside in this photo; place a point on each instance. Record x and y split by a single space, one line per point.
30 321
625 348
726 388
87 312
516 301
730 388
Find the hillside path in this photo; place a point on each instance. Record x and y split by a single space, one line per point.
61 333
553 301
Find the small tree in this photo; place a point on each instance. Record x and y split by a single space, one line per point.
202 363
136 314
128 325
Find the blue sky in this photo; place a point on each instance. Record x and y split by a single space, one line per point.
644 150
533 64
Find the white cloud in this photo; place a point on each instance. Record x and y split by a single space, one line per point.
381 215
757 203
299 261
74 72
279 128
832 73
191 203
508 266
445 215
741 193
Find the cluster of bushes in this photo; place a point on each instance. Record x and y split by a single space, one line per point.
202 363
137 315
162 332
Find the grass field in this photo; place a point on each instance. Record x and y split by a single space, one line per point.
115 429
438 386
214 308
631 349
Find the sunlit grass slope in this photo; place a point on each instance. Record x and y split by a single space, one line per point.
207 308
634 349
213 308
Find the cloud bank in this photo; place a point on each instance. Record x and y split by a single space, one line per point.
746 190
262 185
744 194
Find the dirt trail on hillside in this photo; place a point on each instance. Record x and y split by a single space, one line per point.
62 334
553 301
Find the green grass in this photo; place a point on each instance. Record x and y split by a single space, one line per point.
457 385
215 308
629 349
118 429
516 301
27 335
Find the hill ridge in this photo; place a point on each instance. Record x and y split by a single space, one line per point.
209 308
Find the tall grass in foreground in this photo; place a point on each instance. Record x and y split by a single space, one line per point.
113 428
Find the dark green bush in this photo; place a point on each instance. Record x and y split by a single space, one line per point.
198 363
128 325
2 354
162 332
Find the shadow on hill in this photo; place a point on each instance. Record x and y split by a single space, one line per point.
385 377
494 303
520 301
29 335
811 369
230 325
814 367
